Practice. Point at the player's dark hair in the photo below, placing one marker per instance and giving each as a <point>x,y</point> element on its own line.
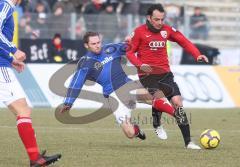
<point>158,7</point>
<point>89,34</point>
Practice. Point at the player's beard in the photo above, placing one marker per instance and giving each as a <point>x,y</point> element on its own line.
<point>152,28</point>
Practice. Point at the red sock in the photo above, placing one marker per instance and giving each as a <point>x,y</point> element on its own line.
<point>136,129</point>
<point>26,133</point>
<point>164,106</point>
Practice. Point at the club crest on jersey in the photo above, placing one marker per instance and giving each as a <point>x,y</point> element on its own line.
<point>164,34</point>
<point>174,29</point>
<point>132,34</point>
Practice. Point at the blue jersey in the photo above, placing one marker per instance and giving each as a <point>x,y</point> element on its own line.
<point>6,33</point>
<point>104,68</point>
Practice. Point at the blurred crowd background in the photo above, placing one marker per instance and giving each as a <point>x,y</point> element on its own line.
<point>213,23</point>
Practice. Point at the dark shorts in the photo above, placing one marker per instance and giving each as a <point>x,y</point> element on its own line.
<point>164,82</point>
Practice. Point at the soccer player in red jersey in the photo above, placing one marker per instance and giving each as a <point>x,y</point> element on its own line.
<point>148,53</point>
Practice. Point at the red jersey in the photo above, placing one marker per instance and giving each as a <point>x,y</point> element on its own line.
<point>150,48</point>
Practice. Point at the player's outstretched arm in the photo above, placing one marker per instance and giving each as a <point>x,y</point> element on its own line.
<point>74,88</point>
<point>187,45</point>
<point>65,108</point>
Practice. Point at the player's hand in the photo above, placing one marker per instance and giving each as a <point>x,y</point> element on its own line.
<point>202,58</point>
<point>18,65</point>
<point>19,55</point>
<point>146,68</point>
<point>65,108</point>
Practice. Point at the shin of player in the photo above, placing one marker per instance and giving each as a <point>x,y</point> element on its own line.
<point>181,118</point>
<point>124,111</point>
<point>132,130</point>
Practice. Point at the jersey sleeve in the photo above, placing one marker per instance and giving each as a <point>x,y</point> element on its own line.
<point>176,36</point>
<point>5,44</point>
<point>6,56</point>
<point>75,86</point>
<point>133,48</point>
<point>116,49</point>
<point>121,48</point>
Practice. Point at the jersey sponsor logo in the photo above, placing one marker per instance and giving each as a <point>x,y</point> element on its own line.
<point>98,65</point>
<point>164,34</point>
<point>154,45</point>
<point>147,36</point>
<point>106,60</point>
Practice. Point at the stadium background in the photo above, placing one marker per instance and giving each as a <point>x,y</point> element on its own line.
<point>211,92</point>
<point>216,85</point>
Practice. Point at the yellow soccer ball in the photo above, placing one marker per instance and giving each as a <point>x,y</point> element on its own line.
<point>210,139</point>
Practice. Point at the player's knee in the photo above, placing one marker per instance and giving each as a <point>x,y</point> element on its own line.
<point>25,112</point>
<point>20,108</point>
<point>177,102</point>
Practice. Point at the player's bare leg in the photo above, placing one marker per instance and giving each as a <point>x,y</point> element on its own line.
<point>20,108</point>
<point>132,130</point>
<point>24,125</point>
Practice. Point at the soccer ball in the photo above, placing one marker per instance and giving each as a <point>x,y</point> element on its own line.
<point>210,139</point>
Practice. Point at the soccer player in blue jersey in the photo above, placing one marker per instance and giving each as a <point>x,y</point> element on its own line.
<point>11,93</point>
<point>102,64</point>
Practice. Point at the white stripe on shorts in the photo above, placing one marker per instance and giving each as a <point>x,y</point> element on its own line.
<point>5,74</point>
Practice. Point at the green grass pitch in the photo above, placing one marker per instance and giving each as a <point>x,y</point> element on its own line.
<point>102,143</point>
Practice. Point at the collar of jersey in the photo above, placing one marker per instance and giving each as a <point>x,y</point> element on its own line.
<point>91,54</point>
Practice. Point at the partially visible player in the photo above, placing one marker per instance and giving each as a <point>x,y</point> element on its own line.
<point>102,64</point>
<point>149,54</point>
<point>11,93</point>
